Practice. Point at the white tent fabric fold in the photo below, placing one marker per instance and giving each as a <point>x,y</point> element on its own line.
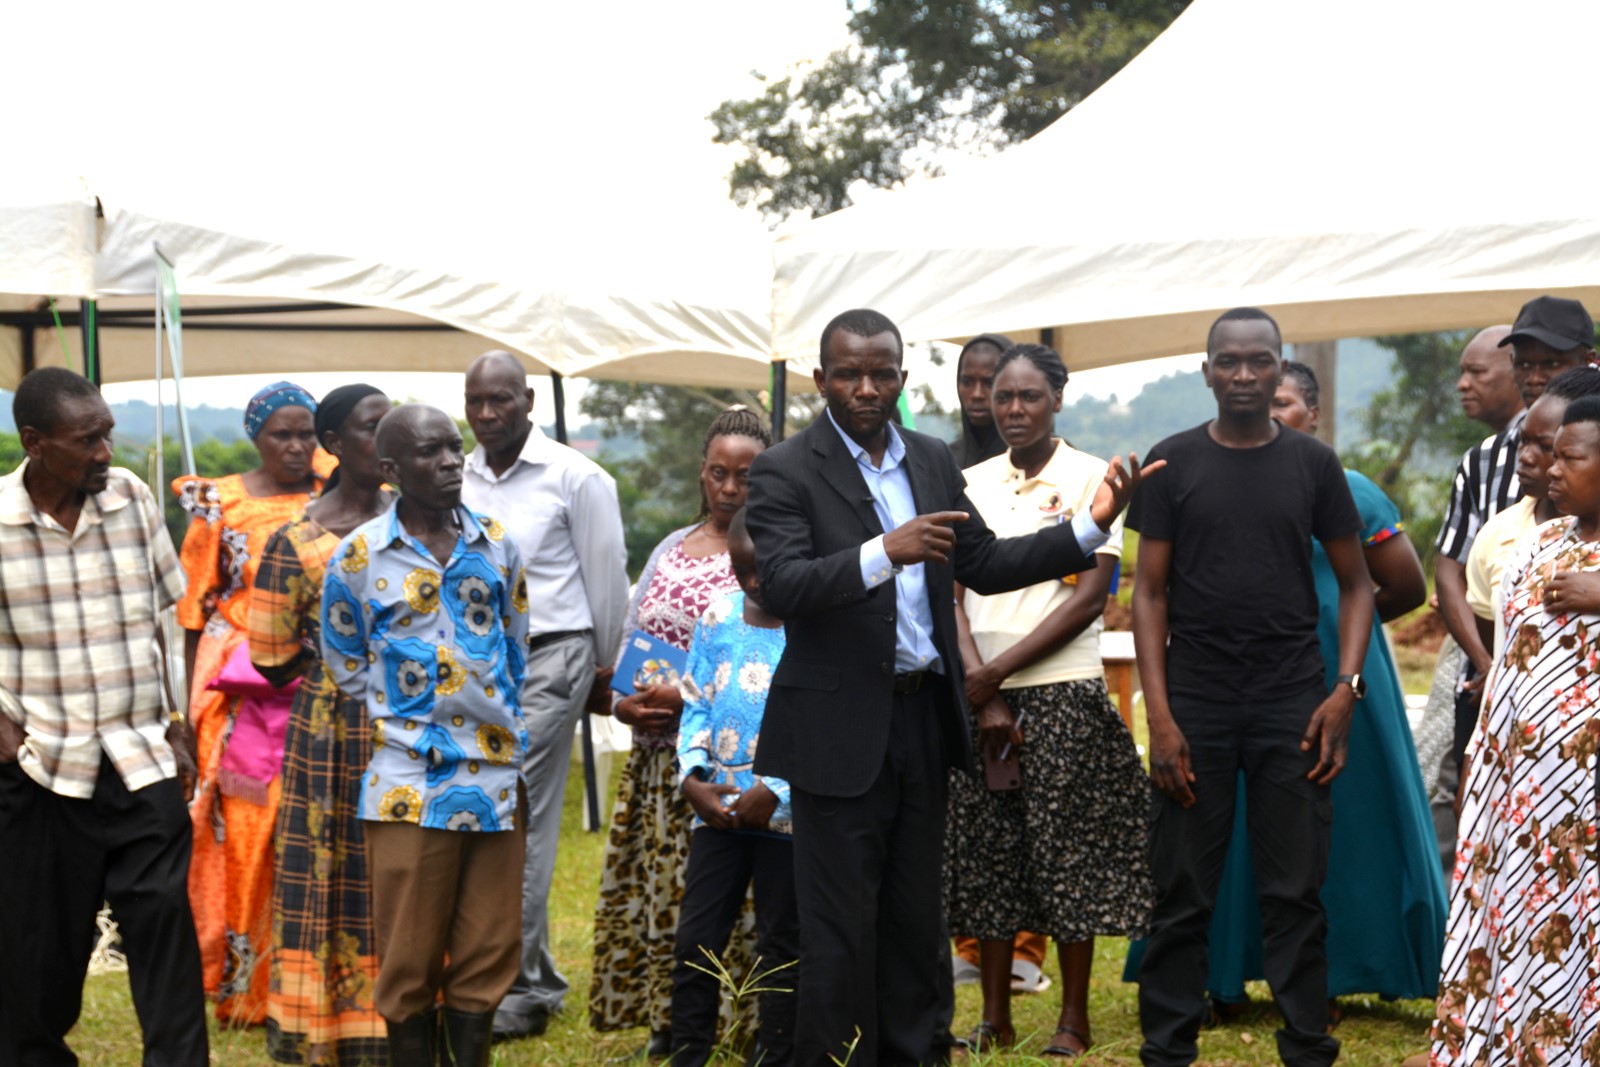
<point>47,245</point>
<point>484,192</point>
<point>1358,168</point>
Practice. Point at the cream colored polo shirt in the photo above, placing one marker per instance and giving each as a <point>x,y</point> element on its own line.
<point>1492,550</point>
<point>1013,506</point>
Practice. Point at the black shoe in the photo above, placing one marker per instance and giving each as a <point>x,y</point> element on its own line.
<point>412,1042</point>
<point>465,1037</point>
<point>534,1024</point>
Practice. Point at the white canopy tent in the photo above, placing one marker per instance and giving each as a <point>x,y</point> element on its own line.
<point>338,200</point>
<point>47,245</point>
<point>1358,168</point>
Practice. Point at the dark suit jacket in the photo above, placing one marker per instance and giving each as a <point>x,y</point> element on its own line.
<point>826,725</point>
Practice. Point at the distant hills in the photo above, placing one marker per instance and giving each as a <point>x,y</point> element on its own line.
<point>1106,427</point>
<point>1114,426</point>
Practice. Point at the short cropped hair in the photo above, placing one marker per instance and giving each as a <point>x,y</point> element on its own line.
<point>1243,315</point>
<point>863,322</point>
<point>1306,379</point>
<point>37,402</point>
<point>1583,409</point>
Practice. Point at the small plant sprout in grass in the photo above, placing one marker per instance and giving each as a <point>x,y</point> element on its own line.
<point>733,1041</point>
<point>849,1051</point>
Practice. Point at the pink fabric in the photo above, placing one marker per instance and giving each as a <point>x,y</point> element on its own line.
<point>679,593</point>
<point>240,677</point>
<point>254,751</point>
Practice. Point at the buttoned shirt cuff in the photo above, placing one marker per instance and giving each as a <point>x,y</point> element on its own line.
<point>1087,531</point>
<point>875,566</point>
<point>779,787</point>
<point>687,765</point>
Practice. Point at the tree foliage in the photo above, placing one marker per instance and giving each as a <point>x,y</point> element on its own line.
<point>1414,430</point>
<point>967,74</point>
<point>659,490</point>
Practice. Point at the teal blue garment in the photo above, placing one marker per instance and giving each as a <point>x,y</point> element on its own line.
<point>1385,893</point>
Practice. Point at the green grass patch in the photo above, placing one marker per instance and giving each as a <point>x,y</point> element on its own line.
<point>1373,1032</point>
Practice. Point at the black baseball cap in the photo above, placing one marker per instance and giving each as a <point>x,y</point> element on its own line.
<point>1556,322</point>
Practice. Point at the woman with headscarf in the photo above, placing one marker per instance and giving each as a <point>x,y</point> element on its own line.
<point>238,718</point>
<point>980,439</point>
<point>324,959</point>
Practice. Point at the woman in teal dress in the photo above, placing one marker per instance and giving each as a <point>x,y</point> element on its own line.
<point>1385,892</point>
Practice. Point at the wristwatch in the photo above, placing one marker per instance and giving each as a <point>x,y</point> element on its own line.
<point>1357,684</point>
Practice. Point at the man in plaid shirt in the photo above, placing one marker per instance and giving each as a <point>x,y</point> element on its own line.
<point>93,775</point>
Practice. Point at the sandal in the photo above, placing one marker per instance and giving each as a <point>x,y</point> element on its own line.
<point>1055,1048</point>
<point>986,1037</point>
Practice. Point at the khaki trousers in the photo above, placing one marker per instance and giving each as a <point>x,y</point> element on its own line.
<point>447,912</point>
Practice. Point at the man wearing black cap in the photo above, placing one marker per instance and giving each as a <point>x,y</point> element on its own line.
<point>1551,334</point>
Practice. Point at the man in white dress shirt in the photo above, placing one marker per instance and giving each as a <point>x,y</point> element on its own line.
<point>561,510</point>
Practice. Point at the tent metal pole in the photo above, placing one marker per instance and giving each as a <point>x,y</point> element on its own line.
<point>30,357</point>
<point>558,396</point>
<point>591,777</point>
<point>89,325</point>
<point>780,397</point>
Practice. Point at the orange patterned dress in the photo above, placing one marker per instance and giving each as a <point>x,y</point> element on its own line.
<point>230,875</point>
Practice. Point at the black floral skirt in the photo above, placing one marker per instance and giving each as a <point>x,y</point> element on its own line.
<point>1068,853</point>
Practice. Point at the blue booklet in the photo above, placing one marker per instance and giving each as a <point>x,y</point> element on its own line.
<point>646,661</point>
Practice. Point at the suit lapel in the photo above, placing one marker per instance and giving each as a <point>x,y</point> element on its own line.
<point>838,469</point>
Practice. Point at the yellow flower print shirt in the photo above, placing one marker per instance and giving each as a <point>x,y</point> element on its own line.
<point>436,653</point>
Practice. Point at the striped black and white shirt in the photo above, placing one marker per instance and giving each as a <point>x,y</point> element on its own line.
<point>1485,485</point>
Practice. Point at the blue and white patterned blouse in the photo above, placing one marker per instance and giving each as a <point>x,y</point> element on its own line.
<point>725,683</point>
<point>438,661</point>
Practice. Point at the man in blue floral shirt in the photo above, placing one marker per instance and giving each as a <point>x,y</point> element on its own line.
<point>425,619</point>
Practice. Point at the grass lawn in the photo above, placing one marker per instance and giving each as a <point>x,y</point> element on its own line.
<point>1372,1033</point>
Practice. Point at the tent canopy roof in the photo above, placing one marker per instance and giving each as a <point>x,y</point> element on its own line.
<point>1354,168</point>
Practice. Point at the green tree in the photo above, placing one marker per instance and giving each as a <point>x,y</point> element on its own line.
<point>1415,431</point>
<point>966,74</point>
<point>660,490</point>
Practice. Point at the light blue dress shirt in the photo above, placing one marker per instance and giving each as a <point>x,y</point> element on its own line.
<point>890,486</point>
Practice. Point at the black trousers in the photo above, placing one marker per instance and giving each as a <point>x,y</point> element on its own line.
<point>60,858</point>
<point>1289,820</point>
<point>868,877</point>
<point>722,865</point>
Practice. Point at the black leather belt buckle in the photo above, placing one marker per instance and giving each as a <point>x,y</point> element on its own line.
<point>909,682</point>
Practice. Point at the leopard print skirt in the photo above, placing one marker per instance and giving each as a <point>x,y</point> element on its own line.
<point>641,888</point>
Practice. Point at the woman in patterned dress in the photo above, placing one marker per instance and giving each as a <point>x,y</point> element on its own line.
<point>1521,977</point>
<point>324,961</point>
<point>641,883</point>
<point>230,874</point>
<point>1066,853</point>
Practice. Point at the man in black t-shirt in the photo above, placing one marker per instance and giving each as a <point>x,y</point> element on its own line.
<point>1225,629</point>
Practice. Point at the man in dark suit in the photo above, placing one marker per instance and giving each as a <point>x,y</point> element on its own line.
<point>861,530</point>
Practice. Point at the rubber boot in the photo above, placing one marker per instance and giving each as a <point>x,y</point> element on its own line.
<point>412,1043</point>
<point>466,1038</point>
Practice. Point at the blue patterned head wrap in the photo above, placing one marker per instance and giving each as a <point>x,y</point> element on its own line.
<point>270,399</point>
